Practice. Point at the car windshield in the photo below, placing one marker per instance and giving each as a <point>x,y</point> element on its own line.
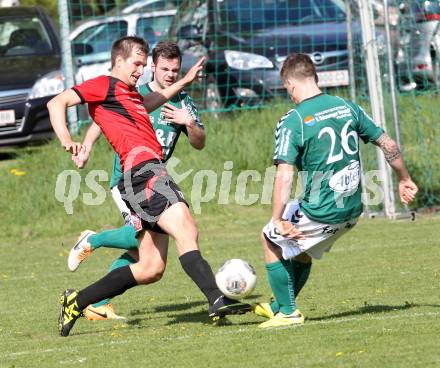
<point>153,28</point>
<point>243,16</point>
<point>101,36</point>
<point>23,37</point>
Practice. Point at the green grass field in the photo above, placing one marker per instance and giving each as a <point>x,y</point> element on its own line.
<point>373,301</point>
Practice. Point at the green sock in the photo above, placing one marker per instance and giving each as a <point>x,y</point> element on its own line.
<point>281,280</point>
<point>275,306</point>
<point>121,238</point>
<point>301,272</point>
<point>122,261</point>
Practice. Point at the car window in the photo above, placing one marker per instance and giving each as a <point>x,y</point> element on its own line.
<point>253,15</point>
<point>23,36</point>
<point>101,36</point>
<point>153,28</point>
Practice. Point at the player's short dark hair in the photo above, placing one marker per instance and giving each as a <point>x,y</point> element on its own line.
<point>124,46</point>
<point>298,66</point>
<point>168,50</point>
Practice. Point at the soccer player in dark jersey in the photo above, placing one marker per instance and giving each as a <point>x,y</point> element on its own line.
<point>320,136</point>
<point>121,113</point>
<point>178,115</point>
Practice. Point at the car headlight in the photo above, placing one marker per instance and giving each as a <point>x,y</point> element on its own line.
<point>48,85</point>
<point>246,61</point>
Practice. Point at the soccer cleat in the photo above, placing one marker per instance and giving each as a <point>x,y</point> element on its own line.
<point>69,311</point>
<point>281,319</point>
<point>81,250</point>
<point>263,310</point>
<point>101,313</point>
<point>224,306</point>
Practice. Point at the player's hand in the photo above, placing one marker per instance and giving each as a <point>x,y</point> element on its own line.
<point>194,72</point>
<point>72,147</point>
<point>287,229</point>
<point>82,157</point>
<point>407,191</point>
<point>177,116</point>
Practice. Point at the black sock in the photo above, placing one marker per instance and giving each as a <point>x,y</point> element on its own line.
<point>201,273</point>
<point>114,283</point>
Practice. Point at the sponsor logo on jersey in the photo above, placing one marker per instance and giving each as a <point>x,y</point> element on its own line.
<point>309,120</point>
<point>346,180</point>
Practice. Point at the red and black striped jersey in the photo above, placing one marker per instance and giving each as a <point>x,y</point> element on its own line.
<point>120,113</point>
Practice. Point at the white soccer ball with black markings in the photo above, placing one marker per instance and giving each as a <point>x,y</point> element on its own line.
<point>236,278</point>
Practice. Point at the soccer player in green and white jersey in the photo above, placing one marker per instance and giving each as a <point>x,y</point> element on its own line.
<point>177,116</point>
<point>320,137</point>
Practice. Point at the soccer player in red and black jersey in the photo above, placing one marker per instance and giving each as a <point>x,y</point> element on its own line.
<point>121,113</point>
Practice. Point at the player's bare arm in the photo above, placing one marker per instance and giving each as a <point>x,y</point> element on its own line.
<point>407,188</point>
<point>157,98</point>
<point>196,133</point>
<point>281,195</point>
<point>57,107</point>
<point>92,135</point>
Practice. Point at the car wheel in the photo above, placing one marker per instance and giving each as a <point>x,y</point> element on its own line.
<point>213,97</point>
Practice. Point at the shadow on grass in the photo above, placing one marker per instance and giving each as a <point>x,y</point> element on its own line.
<point>371,309</point>
<point>14,152</point>
<point>166,308</point>
<point>198,316</point>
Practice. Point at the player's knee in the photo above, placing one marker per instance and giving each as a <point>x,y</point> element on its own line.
<point>150,277</point>
<point>151,274</point>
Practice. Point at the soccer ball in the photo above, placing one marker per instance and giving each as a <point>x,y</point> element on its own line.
<point>236,278</point>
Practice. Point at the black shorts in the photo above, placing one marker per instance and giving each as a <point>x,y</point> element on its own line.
<point>148,190</point>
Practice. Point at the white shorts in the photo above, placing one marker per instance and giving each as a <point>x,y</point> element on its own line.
<point>319,237</point>
<point>130,218</point>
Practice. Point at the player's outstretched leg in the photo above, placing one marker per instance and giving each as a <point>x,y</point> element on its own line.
<point>80,251</point>
<point>103,310</point>
<point>179,224</point>
<point>73,302</point>
<point>282,281</point>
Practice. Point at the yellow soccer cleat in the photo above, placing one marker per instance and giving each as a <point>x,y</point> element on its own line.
<point>69,312</point>
<point>280,319</point>
<point>101,313</point>
<point>263,310</point>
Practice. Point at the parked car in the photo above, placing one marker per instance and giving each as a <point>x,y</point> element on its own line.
<point>30,75</point>
<point>92,40</point>
<point>247,41</point>
<point>418,60</point>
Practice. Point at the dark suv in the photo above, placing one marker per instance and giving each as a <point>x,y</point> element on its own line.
<point>246,42</point>
<point>30,61</point>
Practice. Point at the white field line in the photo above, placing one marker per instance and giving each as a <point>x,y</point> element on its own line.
<point>71,348</point>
